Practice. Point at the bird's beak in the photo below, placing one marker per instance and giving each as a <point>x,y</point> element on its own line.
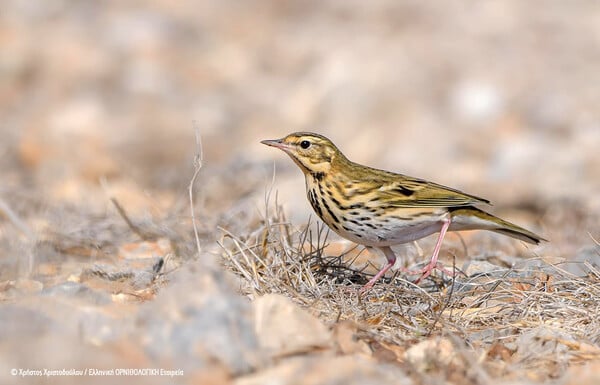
<point>277,143</point>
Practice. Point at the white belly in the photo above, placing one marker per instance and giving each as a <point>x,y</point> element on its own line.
<point>395,233</point>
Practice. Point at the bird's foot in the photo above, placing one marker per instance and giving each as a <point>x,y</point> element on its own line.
<point>427,270</point>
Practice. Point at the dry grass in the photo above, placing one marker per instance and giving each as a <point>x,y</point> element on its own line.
<point>534,320</point>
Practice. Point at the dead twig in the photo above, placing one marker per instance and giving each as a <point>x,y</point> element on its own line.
<point>446,303</point>
<point>121,210</point>
<point>135,228</point>
<point>198,159</point>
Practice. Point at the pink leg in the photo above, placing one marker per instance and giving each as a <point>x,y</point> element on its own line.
<point>433,263</point>
<point>391,259</point>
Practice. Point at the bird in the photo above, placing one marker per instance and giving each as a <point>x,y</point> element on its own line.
<point>378,209</point>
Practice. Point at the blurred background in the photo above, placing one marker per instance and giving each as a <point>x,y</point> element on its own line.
<point>97,99</point>
<point>496,98</point>
<point>499,99</point>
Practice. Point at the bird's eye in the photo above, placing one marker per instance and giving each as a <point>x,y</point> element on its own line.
<point>305,144</point>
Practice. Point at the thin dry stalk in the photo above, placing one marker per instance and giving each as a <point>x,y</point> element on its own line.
<point>499,306</point>
<point>198,159</point>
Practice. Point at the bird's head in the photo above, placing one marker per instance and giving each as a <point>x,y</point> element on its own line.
<point>313,153</point>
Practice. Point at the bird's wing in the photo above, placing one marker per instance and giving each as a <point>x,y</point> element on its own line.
<point>404,191</point>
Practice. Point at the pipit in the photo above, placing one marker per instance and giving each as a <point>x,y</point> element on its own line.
<point>378,208</point>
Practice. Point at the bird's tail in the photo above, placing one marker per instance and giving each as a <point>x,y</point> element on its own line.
<point>472,218</point>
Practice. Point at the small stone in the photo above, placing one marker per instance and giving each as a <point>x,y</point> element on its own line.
<point>283,328</point>
<point>472,268</point>
<point>29,285</point>
<point>145,249</point>
<point>79,291</point>
<point>344,335</point>
<point>200,323</point>
<point>431,354</point>
<point>20,287</point>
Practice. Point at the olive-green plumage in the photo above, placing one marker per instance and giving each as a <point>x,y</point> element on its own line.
<point>378,208</point>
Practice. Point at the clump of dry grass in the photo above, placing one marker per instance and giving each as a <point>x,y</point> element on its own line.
<point>509,314</point>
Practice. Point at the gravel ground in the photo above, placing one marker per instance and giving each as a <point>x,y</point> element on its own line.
<point>101,269</point>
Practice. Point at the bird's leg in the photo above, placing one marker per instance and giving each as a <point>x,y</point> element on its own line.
<point>391,259</point>
<point>426,271</point>
<point>433,263</point>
